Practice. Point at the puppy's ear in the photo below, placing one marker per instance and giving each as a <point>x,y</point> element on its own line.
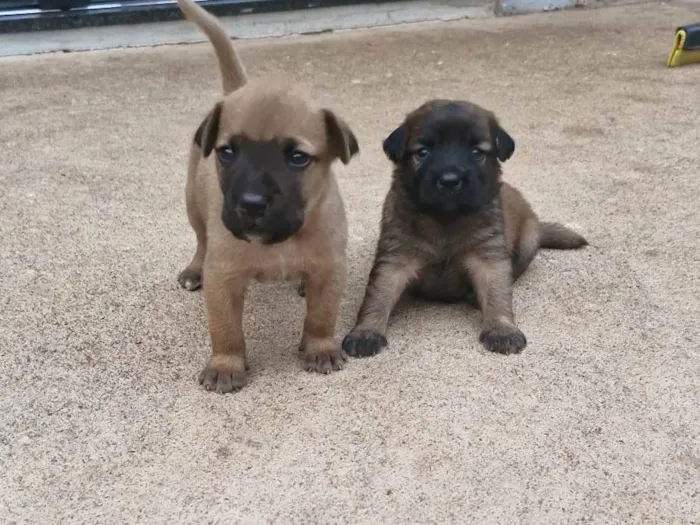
<point>208,131</point>
<point>341,140</point>
<point>395,144</point>
<point>504,143</point>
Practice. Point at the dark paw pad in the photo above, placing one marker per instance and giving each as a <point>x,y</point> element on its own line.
<point>363,343</point>
<point>190,279</point>
<point>503,340</point>
<point>224,381</point>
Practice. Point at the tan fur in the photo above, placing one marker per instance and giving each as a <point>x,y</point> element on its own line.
<point>525,234</point>
<point>475,257</point>
<point>410,247</point>
<point>225,264</point>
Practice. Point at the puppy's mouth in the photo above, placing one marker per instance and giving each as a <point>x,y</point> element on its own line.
<point>253,232</point>
<point>250,229</point>
<point>265,229</point>
<point>448,195</point>
<point>252,224</point>
<point>448,205</point>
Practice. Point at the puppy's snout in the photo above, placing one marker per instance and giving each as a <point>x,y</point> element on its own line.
<point>449,181</point>
<point>253,204</point>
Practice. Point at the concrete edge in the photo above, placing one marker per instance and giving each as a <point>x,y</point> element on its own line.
<point>282,24</point>
<point>253,26</point>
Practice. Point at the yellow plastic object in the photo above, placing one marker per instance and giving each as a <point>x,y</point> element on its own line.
<point>686,46</point>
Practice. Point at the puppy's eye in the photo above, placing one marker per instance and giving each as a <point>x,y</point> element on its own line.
<point>479,155</point>
<point>421,153</point>
<point>226,154</point>
<point>298,159</point>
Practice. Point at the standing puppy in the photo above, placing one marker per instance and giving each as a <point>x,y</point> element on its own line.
<point>451,231</point>
<point>264,205</point>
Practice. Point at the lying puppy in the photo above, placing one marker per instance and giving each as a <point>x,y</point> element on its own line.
<point>264,205</point>
<point>450,229</point>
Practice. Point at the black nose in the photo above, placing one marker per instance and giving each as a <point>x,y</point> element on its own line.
<point>449,181</point>
<point>253,204</point>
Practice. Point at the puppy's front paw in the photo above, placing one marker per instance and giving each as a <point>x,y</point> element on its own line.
<point>503,339</point>
<point>223,379</point>
<point>363,343</point>
<point>322,356</point>
<point>190,279</point>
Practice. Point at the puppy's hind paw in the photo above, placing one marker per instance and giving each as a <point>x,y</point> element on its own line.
<point>363,343</point>
<point>190,279</point>
<point>503,340</point>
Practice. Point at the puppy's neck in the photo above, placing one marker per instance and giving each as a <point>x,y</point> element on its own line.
<point>320,195</point>
<point>323,202</point>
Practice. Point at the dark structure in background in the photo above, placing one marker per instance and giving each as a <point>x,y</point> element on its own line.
<point>37,15</point>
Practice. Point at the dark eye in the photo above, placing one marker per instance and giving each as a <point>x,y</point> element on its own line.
<point>421,153</point>
<point>298,159</point>
<point>478,154</point>
<point>226,154</point>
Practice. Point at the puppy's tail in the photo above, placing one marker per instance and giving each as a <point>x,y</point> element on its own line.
<point>558,237</point>
<point>233,73</point>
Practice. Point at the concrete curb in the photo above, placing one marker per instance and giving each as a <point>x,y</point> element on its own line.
<point>531,6</point>
<point>279,24</point>
<point>259,25</point>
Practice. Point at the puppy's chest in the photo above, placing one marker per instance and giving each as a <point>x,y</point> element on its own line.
<point>278,266</point>
<point>444,276</point>
<point>448,244</point>
<point>443,248</point>
<point>446,262</point>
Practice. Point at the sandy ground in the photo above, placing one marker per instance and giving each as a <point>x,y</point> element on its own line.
<point>102,419</point>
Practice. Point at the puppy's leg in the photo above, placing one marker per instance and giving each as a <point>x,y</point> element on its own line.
<point>527,248</point>
<point>301,288</point>
<point>191,277</point>
<point>492,282</point>
<point>319,349</point>
<point>471,297</point>
<point>387,283</point>
<point>223,298</point>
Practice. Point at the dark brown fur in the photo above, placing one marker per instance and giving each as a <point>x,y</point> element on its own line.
<point>264,205</point>
<point>471,250</point>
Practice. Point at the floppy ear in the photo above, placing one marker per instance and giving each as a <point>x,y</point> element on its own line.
<point>208,130</point>
<point>395,144</point>
<point>341,139</point>
<point>504,143</point>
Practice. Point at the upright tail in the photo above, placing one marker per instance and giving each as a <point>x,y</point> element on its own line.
<point>233,73</point>
<point>558,237</point>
